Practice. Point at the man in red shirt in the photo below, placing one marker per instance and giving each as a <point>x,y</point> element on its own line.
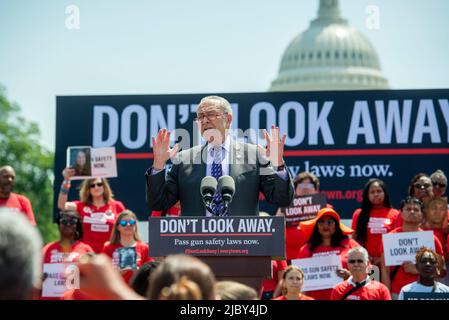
<point>13,200</point>
<point>359,286</point>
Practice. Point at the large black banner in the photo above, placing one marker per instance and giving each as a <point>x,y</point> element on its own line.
<point>345,138</point>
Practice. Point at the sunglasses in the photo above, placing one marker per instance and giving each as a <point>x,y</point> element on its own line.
<point>129,222</point>
<point>439,184</point>
<point>422,186</point>
<point>329,222</point>
<point>98,184</point>
<point>69,222</point>
<point>353,261</point>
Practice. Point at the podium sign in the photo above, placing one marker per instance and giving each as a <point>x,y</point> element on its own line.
<point>217,236</point>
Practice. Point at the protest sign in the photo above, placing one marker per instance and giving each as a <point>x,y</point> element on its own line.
<point>320,272</point>
<point>92,162</point>
<point>303,208</point>
<point>403,246</point>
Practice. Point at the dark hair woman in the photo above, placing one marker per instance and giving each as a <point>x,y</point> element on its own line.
<point>67,249</point>
<point>374,218</point>
<point>327,236</point>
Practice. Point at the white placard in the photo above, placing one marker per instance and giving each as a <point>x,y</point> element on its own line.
<point>54,284</point>
<point>401,247</point>
<point>320,272</point>
<point>92,162</point>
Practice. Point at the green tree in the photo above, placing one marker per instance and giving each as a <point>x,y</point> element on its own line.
<point>20,147</point>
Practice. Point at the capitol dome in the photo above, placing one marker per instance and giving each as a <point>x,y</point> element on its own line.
<point>329,55</point>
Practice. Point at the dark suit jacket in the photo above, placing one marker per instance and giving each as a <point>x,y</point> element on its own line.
<point>251,174</point>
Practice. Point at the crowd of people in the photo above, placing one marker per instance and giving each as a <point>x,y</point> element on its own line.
<point>99,235</point>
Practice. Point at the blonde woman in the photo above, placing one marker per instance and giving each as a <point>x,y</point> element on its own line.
<point>127,250</point>
<point>96,206</point>
<point>292,283</point>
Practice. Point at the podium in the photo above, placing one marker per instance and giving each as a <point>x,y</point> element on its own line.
<point>235,248</point>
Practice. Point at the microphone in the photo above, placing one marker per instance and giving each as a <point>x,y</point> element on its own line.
<point>208,188</point>
<point>226,186</point>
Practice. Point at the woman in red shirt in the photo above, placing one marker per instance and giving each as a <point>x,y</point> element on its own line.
<point>125,235</point>
<point>374,218</point>
<point>68,248</point>
<point>327,236</point>
<point>292,283</point>
<point>97,208</point>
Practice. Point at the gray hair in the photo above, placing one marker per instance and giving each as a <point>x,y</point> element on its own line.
<point>361,250</point>
<point>439,174</point>
<point>223,103</point>
<point>20,256</point>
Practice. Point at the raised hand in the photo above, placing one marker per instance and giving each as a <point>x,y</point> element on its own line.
<point>161,149</point>
<point>68,172</point>
<point>275,146</point>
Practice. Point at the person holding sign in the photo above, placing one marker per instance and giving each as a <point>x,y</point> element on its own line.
<point>252,168</point>
<point>68,249</point>
<point>428,264</point>
<point>97,208</point>
<point>327,235</point>
<point>374,218</point>
<point>292,282</point>
<point>307,185</point>
<point>125,235</point>
<point>359,286</point>
<point>396,277</point>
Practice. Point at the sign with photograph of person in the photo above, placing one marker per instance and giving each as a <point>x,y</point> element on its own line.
<point>91,162</point>
<point>320,272</point>
<point>303,208</point>
<point>127,258</point>
<point>403,246</point>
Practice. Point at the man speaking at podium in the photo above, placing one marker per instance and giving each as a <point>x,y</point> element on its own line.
<point>252,168</point>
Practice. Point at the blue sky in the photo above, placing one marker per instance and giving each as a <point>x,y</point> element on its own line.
<point>195,46</point>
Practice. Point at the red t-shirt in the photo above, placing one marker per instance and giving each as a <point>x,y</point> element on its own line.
<point>403,278</point>
<point>380,222</point>
<point>20,203</point>
<point>98,222</point>
<point>341,251</point>
<point>142,252</point>
<point>53,253</point>
<point>373,290</point>
<point>294,240</point>
<point>301,297</point>
<point>276,266</point>
<point>439,233</point>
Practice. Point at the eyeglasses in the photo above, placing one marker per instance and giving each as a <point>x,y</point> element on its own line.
<point>353,261</point>
<point>68,221</point>
<point>209,116</point>
<point>129,222</point>
<point>329,222</point>
<point>98,184</point>
<point>439,184</point>
<point>422,186</point>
